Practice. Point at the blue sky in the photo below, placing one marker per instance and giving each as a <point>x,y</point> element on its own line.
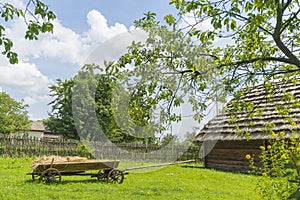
<point>73,12</point>
<point>81,26</point>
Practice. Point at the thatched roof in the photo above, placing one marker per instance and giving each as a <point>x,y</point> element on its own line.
<point>37,126</point>
<point>264,117</point>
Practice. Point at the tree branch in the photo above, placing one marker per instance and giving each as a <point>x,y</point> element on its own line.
<point>243,62</point>
<point>286,5</point>
<point>287,22</point>
<point>247,19</point>
<point>276,36</point>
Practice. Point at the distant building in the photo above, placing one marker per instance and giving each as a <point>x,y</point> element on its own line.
<point>39,130</point>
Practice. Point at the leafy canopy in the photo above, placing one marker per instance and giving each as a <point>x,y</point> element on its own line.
<point>84,107</point>
<point>166,70</point>
<point>13,115</point>
<point>264,37</point>
<point>37,17</point>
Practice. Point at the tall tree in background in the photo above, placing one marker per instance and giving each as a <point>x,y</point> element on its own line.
<point>13,115</point>
<point>61,117</point>
<point>37,17</point>
<point>79,88</point>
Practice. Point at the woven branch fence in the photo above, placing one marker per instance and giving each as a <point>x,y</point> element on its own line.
<point>17,146</point>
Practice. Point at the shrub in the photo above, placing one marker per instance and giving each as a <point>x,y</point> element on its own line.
<point>280,160</point>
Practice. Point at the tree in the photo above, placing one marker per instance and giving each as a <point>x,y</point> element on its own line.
<point>86,101</point>
<point>264,37</point>
<point>166,71</point>
<point>61,117</point>
<point>13,115</point>
<point>37,17</point>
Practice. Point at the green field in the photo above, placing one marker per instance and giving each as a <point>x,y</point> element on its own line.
<point>185,181</point>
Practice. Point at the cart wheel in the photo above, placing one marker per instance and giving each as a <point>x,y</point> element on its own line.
<point>50,175</point>
<point>101,175</point>
<point>115,176</point>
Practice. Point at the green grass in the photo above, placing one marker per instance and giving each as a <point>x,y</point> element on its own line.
<point>172,182</point>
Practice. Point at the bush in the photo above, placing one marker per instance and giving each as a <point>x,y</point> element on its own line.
<point>280,160</point>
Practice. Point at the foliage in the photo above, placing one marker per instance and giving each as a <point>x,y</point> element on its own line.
<point>37,17</point>
<point>280,167</point>
<point>191,181</point>
<point>165,71</point>
<point>262,37</point>
<point>183,62</point>
<point>13,115</point>
<point>61,117</point>
<point>78,99</point>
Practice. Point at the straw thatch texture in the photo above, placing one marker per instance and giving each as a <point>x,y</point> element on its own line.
<point>265,116</point>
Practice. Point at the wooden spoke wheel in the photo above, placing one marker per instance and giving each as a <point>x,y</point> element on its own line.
<point>101,175</point>
<point>115,176</point>
<point>50,175</point>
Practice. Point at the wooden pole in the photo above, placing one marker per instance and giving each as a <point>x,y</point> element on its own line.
<point>157,165</point>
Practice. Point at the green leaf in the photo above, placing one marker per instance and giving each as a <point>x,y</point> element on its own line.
<point>170,19</point>
<point>295,195</point>
<point>233,25</point>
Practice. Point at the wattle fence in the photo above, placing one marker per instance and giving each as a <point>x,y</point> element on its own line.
<point>17,146</point>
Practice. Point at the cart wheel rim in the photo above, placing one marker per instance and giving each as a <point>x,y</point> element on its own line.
<point>101,175</point>
<point>115,176</point>
<point>50,176</point>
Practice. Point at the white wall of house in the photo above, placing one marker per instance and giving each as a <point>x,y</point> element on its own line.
<point>36,134</point>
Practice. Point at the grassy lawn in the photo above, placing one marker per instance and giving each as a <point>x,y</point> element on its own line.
<point>185,181</point>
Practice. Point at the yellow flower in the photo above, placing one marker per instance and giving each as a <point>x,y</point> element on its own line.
<point>274,134</point>
<point>262,148</point>
<point>282,133</point>
<point>283,156</point>
<point>247,156</point>
<point>264,174</point>
<point>269,147</point>
<point>293,124</point>
<point>298,149</point>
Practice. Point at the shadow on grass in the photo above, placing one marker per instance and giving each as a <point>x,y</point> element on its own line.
<point>70,181</point>
<point>193,166</point>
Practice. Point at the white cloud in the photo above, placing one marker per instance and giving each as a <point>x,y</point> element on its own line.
<point>99,30</point>
<point>24,78</point>
<point>64,43</point>
<point>34,99</point>
<point>38,106</point>
<point>114,47</point>
<point>17,3</point>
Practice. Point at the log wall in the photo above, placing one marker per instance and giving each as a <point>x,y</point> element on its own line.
<point>230,155</point>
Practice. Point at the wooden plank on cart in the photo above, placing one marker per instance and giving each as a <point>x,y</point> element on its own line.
<point>79,166</point>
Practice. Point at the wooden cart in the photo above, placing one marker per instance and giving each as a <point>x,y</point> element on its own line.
<point>52,173</point>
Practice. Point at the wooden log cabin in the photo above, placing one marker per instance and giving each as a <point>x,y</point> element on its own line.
<point>227,139</point>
